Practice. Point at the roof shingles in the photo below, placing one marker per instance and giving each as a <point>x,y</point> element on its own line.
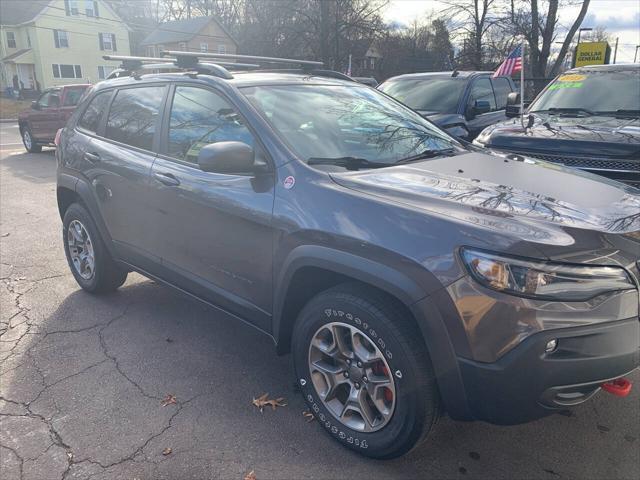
<point>16,12</point>
<point>179,31</point>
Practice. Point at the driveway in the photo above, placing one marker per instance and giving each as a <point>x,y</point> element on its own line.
<point>83,379</point>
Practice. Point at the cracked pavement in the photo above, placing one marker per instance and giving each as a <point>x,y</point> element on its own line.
<point>82,379</point>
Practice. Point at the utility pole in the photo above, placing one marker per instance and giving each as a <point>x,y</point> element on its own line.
<point>615,51</point>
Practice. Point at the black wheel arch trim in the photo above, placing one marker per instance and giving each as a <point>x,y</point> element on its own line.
<point>430,306</point>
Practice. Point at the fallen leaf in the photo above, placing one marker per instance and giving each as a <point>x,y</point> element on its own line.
<point>250,476</point>
<point>263,400</point>
<point>168,400</point>
<point>70,455</point>
<point>309,416</point>
<point>167,451</point>
<point>5,235</point>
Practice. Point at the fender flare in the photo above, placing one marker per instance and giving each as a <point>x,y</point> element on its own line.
<point>431,308</point>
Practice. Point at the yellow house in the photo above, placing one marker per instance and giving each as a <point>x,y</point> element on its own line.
<point>44,43</point>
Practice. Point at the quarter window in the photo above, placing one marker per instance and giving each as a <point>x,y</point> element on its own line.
<point>90,119</point>
<point>134,115</point>
<point>200,117</point>
<point>11,40</point>
<point>481,90</point>
<point>502,89</point>
<point>61,39</point>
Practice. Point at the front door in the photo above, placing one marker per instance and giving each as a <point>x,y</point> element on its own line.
<point>44,120</point>
<point>213,231</point>
<point>122,155</point>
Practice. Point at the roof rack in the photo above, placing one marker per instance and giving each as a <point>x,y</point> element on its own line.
<point>132,64</point>
<point>248,58</point>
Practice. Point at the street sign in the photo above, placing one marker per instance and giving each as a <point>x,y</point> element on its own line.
<point>591,53</point>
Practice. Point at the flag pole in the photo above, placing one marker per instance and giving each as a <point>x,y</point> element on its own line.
<point>522,87</point>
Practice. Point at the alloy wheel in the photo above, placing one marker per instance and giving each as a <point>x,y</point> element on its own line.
<point>26,136</point>
<point>81,249</point>
<point>352,377</point>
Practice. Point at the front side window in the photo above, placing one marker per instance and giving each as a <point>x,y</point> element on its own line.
<point>200,117</point>
<point>592,91</point>
<point>11,40</point>
<point>61,38</point>
<point>49,99</point>
<point>427,94</point>
<point>90,119</point>
<point>337,121</point>
<point>481,90</point>
<point>133,116</point>
<point>502,89</point>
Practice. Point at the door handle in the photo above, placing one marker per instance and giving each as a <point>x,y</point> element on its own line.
<point>166,179</point>
<point>92,157</point>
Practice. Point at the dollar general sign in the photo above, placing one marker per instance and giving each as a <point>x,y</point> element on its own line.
<point>592,53</point>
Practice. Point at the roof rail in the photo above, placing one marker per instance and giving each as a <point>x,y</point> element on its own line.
<point>248,58</point>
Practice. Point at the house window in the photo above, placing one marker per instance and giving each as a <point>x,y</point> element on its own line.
<point>71,7</point>
<point>183,46</point>
<point>66,71</point>
<point>91,8</point>
<point>372,63</point>
<point>104,72</point>
<point>222,48</point>
<point>11,40</point>
<point>204,47</point>
<point>61,39</point>
<point>107,41</point>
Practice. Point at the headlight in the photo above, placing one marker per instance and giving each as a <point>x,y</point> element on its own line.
<point>544,280</point>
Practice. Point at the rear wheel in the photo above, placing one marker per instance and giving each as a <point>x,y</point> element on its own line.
<point>89,260</point>
<point>364,371</point>
<point>29,143</point>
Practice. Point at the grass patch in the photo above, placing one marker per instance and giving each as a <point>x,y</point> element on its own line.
<point>9,108</point>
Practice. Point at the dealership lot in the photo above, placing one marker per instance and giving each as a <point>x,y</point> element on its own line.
<point>83,379</point>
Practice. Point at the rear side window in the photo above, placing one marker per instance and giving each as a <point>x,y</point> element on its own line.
<point>72,96</point>
<point>502,88</point>
<point>91,117</point>
<point>133,116</point>
<point>199,117</point>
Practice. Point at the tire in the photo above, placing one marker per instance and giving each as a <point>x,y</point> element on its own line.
<point>105,275</point>
<point>368,317</point>
<point>29,143</point>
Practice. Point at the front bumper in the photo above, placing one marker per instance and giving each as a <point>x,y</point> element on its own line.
<point>528,383</point>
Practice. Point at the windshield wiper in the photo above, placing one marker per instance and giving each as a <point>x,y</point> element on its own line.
<point>426,154</point>
<point>621,113</point>
<point>565,110</point>
<point>350,163</point>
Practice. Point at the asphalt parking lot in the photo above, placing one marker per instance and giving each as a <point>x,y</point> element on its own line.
<point>82,379</point>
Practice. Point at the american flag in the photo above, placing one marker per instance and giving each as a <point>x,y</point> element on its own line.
<point>512,64</point>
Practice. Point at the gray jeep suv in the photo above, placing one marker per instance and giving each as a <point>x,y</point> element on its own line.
<point>408,274</point>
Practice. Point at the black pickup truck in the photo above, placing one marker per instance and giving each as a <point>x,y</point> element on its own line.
<point>587,118</point>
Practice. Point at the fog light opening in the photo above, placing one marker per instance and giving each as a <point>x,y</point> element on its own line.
<point>551,345</point>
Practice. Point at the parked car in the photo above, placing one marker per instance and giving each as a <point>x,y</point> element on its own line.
<point>48,114</point>
<point>462,103</point>
<point>407,272</point>
<point>587,118</point>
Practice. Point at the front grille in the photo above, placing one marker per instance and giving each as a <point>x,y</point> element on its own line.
<point>587,163</point>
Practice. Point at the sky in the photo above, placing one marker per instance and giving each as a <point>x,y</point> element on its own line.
<point>620,17</point>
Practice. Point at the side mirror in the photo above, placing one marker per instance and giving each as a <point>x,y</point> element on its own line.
<point>35,105</point>
<point>481,106</point>
<point>227,157</point>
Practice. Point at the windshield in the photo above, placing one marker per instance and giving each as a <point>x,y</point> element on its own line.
<point>436,94</point>
<point>592,91</point>
<point>335,121</point>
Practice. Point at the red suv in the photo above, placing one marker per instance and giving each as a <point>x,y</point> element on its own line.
<point>39,124</point>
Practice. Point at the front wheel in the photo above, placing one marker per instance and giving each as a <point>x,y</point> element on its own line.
<point>29,143</point>
<point>364,371</point>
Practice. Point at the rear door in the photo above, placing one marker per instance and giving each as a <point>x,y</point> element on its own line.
<point>213,230</point>
<point>122,154</point>
<point>481,90</point>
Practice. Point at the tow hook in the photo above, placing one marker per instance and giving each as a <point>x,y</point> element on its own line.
<point>620,387</point>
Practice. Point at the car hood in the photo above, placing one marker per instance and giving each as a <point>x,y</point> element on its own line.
<point>604,136</point>
<point>532,200</point>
